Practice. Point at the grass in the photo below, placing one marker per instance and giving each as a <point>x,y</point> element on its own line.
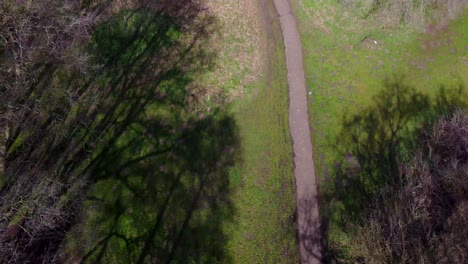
<point>264,197</point>
<point>158,183</point>
<point>263,230</point>
<point>259,186</point>
<point>348,55</point>
<point>238,63</point>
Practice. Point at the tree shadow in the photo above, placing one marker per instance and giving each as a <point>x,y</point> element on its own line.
<point>115,155</point>
<point>310,231</point>
<point>166,204</point>
<point>372,144</point>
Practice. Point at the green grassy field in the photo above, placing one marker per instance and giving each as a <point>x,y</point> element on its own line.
<point>263,230</point>
<point>347,58</point>
<point>349,54</point>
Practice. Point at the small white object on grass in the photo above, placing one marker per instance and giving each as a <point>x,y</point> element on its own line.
<point>310,93</point>
<point>375,42</point>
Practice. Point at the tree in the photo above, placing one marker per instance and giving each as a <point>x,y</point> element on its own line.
<point>91,86</point>
<point>424,220</point>
<point>392,190</point>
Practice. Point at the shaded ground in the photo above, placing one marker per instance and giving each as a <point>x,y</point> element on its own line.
<point>122,172</point>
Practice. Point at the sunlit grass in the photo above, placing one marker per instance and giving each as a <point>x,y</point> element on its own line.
<point>349,55</point>
<point>263,230</point>
<point>347,58</point>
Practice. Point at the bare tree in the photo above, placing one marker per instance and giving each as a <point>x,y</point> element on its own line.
<point>423,221</point>
<point>75,77</point>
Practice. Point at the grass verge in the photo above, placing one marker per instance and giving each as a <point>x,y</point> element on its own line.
<point>264,190</point>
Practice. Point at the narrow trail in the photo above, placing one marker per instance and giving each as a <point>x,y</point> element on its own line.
<point>308,219</point>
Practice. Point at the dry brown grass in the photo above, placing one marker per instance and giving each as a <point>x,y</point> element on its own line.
<point>319,18</point>
<point>237,43</point>
<point>415,13</point>
<point>238,46</point>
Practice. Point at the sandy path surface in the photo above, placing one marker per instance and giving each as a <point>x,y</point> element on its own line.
<point>308,220</point>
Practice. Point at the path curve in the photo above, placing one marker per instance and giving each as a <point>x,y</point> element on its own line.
<point>308,219</point>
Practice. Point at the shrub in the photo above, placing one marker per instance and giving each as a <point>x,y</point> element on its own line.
<point>423,220</point>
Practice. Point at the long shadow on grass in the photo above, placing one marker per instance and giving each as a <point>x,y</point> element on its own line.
<point>114,155</point>
<point>371,145</point>
<point>166,204</point>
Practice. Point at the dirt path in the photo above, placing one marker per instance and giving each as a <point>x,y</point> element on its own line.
<point>307,205</point>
